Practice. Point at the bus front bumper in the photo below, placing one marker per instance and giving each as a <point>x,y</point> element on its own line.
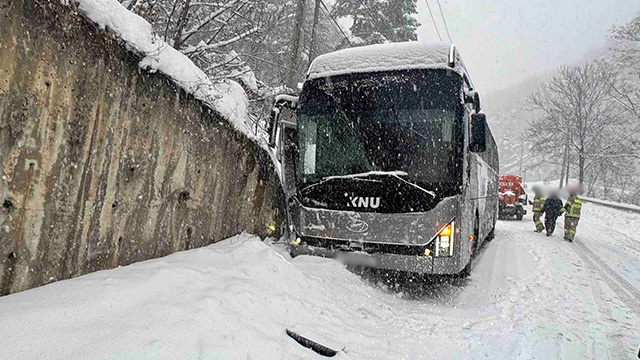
<point>408,263</point>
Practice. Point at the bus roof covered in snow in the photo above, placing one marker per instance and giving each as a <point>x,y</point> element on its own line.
<point>388,57</point>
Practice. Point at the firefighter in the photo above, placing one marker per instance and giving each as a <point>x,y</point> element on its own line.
<point>552,209</point>
<point>571,211</point>
<point>538,205</point>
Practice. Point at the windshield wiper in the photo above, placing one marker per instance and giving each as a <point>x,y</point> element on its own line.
<point>358,177</point>
<point>433,194</point>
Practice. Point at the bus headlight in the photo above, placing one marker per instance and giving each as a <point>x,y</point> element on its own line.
<point>444,240</point>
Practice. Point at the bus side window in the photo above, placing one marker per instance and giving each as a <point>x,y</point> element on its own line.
<point>468,109</point>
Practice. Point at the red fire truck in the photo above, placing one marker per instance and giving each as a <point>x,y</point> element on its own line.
<point>511,197</point>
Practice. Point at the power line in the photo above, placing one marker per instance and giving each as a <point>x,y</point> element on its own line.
<point>433,20</point>
<point>270,63</point>
<point>445,22</point>
<point>328,13</point>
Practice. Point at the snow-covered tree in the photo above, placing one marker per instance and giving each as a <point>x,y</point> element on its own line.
<point>247,41</point>
<point>257,32</point>
<point>379,21</point>
<point>206,31</point>
<point>625,58</point>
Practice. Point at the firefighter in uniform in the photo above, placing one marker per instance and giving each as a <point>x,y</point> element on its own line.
<point>571,211</point>
<point>538,205</point>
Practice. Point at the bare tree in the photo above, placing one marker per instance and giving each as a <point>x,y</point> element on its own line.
<point>625,57</point>
<point>577,116</point>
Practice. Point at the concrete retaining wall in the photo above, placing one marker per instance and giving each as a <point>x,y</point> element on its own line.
<point>102,164</point>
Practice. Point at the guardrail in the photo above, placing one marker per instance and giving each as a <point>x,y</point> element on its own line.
<point>611,204</point>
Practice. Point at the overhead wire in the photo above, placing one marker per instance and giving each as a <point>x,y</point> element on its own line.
<point>328,14</point>
<point>445,22</point>
<point>270,63</point>
<point>433,20</point>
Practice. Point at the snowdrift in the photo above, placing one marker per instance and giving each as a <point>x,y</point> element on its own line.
<point>231,300</point>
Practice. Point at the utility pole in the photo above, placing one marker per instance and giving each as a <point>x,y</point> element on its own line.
<point>566,174</point>
<point>564,165</point>
<point>568,156</point>
<point>521,154</point>
<point>295,44</point>
<point>316,14</point>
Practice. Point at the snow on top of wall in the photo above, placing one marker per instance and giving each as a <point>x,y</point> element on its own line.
<point>612,204</point>
<point>225,97</point>
<point>383,57</point>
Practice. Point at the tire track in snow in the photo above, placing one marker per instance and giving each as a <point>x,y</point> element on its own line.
<point>594,320</point>
<point>629,242</point>
<point>608,324</point>
<point>625,291</point>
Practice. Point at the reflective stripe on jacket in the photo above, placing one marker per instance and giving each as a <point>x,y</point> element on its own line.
<point>573,207</point>
<point>538,203</point>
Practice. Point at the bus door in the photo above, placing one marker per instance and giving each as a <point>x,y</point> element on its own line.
<point>283,137</point>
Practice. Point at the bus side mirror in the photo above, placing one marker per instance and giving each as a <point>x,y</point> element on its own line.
<point>281,102</point>
<point>478,141</point>
<point>472,97</point>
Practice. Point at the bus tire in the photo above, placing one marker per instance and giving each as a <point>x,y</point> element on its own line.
<point>492,233</point>
<point>466,271</point>
<point>476,230</point>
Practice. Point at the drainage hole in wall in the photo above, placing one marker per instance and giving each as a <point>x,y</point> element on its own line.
<point>184,196</point>
<point>7,204</point>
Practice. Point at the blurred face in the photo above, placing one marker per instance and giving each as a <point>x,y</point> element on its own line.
<point>575,190</point>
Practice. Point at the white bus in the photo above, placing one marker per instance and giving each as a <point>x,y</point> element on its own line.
<point>388,161</point>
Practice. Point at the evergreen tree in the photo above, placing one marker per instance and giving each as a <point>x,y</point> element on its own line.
<point>379,21</point>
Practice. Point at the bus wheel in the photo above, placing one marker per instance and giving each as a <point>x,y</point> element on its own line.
<point>466,271</point>
<point>492,233</point>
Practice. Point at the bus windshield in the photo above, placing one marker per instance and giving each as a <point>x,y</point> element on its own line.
<point>405,121</point>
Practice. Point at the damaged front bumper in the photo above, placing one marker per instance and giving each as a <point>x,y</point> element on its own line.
<point>419,264</point>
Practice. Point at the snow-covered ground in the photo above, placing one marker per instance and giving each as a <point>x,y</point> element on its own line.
<point>529,297</point>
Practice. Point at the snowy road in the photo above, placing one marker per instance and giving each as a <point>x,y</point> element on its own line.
<point>529,297</point>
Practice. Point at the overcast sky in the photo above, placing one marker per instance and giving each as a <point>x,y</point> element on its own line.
<point>507,41</point>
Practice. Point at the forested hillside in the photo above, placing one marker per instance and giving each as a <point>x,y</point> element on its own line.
<point>578,122</point>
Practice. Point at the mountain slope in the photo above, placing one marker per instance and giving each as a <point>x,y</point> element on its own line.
<point>508,118</point>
